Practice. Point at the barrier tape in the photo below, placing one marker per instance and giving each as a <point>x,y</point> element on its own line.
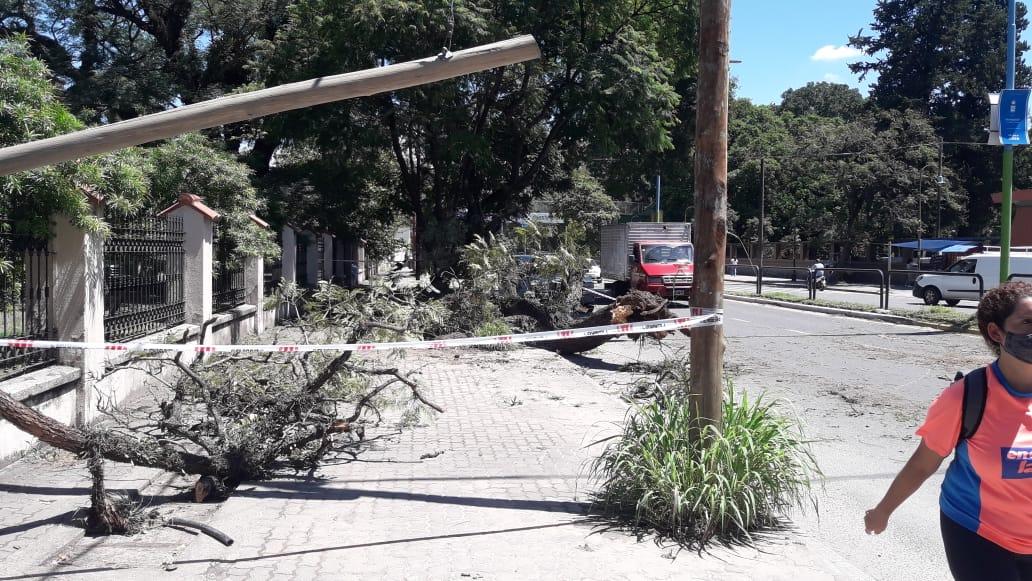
<point>699,318</point>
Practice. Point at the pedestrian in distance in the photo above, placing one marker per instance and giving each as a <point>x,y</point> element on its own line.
<point>819,280</point>
<point>734,267</point>
<point>985,421</point>
<point>912,264</point>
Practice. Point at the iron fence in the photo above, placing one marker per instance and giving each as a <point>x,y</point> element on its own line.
<point>24,302</point>
<point>143,278</point>
<point>227,274</point>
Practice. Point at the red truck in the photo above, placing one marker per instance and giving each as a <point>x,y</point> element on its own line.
<point>652,256</point>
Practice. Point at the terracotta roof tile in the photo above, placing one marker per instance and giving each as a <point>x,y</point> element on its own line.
<point>191,201</point>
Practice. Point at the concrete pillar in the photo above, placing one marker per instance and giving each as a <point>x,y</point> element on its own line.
<point>313,258</point>
<point>288,256</point>
<point>254,288</point>
<point>77,305</point>
<point>363,268</point>
<point>198,234</point>
<point>327,257</point>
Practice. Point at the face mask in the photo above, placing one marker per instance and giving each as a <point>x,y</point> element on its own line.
<point>1020,346</point>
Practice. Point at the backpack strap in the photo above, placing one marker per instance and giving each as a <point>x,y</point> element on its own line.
<point>976,391</point>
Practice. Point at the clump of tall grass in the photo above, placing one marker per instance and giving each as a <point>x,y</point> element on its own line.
<point>690,482</point>
<point>491,329</point>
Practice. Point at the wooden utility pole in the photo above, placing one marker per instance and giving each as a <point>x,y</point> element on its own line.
<point>710,227</point>
<point>234,108</point>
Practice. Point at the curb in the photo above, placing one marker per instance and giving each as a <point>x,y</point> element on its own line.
<point>883,317</point>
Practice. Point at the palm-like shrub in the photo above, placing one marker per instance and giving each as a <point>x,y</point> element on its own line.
<point>691,482</point>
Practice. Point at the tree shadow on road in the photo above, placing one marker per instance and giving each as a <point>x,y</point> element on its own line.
<point>592,363</point>
<point>313,491</point>
<point>65,518</point>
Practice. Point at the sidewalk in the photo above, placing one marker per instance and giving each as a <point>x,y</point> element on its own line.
<point>492,489</point>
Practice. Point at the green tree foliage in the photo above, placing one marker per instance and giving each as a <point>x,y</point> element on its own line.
<point>942,58</point>
<point>130,181</point>
<point>470,153</point>
<point>191,164</point>
<point>585,204</point>
<point>30,109</point>
<point>824,100</point>
<point>124,58</point>
<point>819,188</point>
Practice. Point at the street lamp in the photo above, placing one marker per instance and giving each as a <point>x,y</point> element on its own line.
<point>938,196</point>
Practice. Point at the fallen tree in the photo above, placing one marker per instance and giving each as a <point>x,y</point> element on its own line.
<point>231,418</point>
<point>544,288</point>
<point>635,306</point>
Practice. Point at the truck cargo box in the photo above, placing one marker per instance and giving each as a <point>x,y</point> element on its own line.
<point>618,242</point>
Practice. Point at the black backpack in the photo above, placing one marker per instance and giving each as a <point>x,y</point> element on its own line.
<point>976,391</point>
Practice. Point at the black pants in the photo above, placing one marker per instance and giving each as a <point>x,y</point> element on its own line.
<point>973,558</point>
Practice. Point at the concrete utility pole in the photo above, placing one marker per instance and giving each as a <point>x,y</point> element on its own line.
<point>234,108</point>
<point>938,196</point>
<point>707,354</point>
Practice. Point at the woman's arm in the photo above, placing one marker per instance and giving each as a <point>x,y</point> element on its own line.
<point>921,465</point>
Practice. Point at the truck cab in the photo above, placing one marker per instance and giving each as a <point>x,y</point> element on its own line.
<point>664,268</point>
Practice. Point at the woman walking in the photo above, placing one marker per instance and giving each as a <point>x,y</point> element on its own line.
<point>986,497</point>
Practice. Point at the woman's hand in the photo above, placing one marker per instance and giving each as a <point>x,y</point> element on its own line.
<point>875,521</point>
<point>922,464</point>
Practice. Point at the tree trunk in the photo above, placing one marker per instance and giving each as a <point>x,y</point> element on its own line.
<point>633,307</point>
<point>104,517</point>
<point>110,446</point>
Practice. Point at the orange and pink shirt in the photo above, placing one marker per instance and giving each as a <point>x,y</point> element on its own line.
<point>988,486</point>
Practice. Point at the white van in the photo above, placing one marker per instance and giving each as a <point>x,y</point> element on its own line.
<point>954,288</point>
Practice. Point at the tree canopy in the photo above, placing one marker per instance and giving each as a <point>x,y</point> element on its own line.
<point>610,105</point>
<point>470,154</point>
<point>832,179</point>
<point>129,181</point>
<point>942,58</point>
<point>30,109</point>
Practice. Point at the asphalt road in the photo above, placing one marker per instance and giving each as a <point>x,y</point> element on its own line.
<point>852,293</point>
<point>861,388</point>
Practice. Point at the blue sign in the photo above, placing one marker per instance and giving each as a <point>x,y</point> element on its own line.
<point>1014,116</point>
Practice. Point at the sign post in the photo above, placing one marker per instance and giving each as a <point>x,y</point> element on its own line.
<point>1008,148</point>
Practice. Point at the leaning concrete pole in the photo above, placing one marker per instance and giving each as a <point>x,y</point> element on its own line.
<point>710,229</point>
<point>234,108</point>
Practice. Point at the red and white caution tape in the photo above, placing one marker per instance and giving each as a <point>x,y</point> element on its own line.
<point>698,318</point>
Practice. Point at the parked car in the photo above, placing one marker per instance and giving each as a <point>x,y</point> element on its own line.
<point>933,288</point>
<point>531,280</point>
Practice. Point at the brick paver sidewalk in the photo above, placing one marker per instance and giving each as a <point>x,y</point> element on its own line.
<point>492,489</point>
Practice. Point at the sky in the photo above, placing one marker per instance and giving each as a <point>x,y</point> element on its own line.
<point>784,44</point>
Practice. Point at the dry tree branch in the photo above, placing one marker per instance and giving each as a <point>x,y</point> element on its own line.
<point>362,403</point>
<point>403,378</point>
<point>205,389</point>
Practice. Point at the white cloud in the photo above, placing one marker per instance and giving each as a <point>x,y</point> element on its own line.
<point>830,52</point>
<point>831,77</point>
